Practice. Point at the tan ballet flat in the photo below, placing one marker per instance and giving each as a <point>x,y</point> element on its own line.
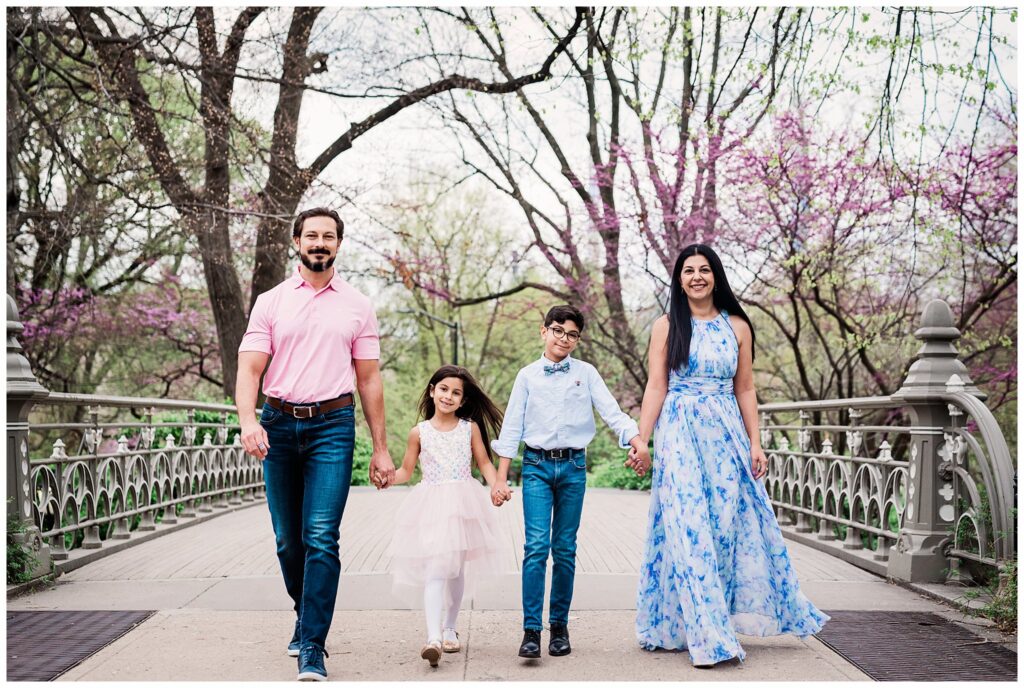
<point>450,645</point>
<point>432,653</point>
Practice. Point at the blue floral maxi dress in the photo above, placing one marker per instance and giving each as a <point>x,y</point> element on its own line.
<point>715,562</point>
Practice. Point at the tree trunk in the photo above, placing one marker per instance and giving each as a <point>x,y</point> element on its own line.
<point>14,138</point>
<point>225,292</point>
<point>273,237</point>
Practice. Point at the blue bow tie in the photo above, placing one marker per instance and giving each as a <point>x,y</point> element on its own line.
<point>562,367</point>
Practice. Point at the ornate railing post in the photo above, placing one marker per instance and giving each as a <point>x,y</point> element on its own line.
<point>23,390</point>
<point>918,555</point>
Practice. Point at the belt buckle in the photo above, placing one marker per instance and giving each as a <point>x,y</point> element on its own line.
<point>307,409</point>
<point>558,453</point>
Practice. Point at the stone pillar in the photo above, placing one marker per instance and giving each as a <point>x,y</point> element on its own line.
<point>927,528</point>
<point>23,391</point>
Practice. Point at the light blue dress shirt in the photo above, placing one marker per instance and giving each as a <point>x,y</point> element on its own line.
<point>557,411</point>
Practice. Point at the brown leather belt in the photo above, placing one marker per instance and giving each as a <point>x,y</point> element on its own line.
<point>312,409</point>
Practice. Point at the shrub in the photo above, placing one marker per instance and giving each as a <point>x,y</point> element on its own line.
<point>21,558</point>
<point>604,463</point>
<point>361,454</point>
<point>614,474</point>
<point>1002,609</point>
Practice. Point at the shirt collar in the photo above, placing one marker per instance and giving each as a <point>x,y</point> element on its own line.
<point>336,283</point>
<point>547,361</point>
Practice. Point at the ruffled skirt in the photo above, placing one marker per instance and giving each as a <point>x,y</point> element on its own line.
<point>442,530</point>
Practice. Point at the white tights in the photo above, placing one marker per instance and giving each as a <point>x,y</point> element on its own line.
<point>434,602</point>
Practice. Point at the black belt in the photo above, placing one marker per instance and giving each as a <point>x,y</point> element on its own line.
<point>555,454</point>
<point>311,409</point>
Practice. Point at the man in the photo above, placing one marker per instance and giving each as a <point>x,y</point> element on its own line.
<point>320,337</point>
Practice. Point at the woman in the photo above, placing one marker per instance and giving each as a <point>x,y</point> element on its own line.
<point>715,561</point>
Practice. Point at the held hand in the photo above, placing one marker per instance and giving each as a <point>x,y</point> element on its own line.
<point>758,463</point>
<point>382,469</point>
<point>641,461</point>
<point>254,439</point>
<point>500,493</point>
<point>630,462</point>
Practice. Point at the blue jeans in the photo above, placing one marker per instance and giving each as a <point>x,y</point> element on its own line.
<point>552,503</point>
<point>307,472</point>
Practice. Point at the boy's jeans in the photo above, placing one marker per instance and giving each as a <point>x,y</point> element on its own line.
<point>307,472</point>
<point>552,503</point>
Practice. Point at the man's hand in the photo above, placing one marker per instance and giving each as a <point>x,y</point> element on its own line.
<point>382,469</point>
<point>253,436</point>
<point>254,439</point>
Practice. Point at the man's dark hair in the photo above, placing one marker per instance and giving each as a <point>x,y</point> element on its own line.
<point>559,314</point>
<point>317,212</point>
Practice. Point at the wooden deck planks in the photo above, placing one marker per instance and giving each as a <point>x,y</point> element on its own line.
<point>241,543</point>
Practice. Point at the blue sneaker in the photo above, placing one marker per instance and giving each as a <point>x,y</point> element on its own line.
<point>311,664</point>
<point>295,643</point>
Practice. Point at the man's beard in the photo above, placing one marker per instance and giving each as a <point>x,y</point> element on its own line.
<point>317,267</point>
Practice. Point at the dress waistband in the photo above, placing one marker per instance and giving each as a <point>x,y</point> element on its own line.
<point>701,386</point>
<point>446,481</point>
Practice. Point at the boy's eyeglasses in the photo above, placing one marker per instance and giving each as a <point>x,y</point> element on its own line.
<point>571,335</point>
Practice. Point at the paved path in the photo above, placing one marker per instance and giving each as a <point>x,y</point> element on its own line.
<point>222,612</point>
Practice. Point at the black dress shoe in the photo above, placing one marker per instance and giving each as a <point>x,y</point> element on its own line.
<point>558,645</point>
<point>530,649</point>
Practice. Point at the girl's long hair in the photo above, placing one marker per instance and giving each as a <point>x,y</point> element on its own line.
<point>476,406</point>
<point>680,329</point>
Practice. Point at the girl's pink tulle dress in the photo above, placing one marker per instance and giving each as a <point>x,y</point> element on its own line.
<point>446,525</point>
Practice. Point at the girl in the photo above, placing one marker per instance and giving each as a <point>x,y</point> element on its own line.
<point>715,563</point>
<point>445,531</point>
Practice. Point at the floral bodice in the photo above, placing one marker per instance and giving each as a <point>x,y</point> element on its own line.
<point>446,456</point>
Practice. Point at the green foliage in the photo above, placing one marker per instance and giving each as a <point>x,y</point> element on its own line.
<point>1001,595</point>
<point>361,454</point>
<point>176,421</point>
<point>967,534</point>
<point>612,474</point>
<point>21,559</point>
<point>1002,609</point>
<point>893,521</point>
<point>604,463</point>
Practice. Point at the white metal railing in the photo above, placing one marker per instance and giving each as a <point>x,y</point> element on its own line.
<point>103,467</point>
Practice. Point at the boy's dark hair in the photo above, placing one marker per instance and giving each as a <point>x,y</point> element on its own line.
<point>559,314</point>
<point>317,212</point>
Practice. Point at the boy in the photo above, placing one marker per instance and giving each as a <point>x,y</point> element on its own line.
<point>551,409</point>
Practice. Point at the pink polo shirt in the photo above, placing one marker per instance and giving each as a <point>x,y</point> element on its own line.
<point>312,338</point>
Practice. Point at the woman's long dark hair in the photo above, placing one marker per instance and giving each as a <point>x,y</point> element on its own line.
<point>680,329</point>
<point>476,406</point>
